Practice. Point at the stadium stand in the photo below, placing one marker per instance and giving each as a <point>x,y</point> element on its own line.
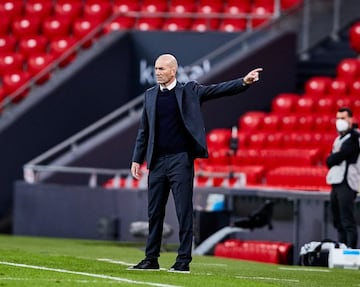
<point>32,26</point>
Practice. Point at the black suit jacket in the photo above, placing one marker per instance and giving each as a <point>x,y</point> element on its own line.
<point>189,96</point>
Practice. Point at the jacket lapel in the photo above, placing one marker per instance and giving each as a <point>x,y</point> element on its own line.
<point>152,96</point>
<point>179,95</point>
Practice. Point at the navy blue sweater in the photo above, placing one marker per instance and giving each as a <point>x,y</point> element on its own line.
<point>171,135</point>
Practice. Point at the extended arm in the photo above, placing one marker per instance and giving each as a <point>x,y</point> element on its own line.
<point>228,88</point>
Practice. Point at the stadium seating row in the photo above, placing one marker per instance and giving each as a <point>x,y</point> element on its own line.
<point>35,33</point>
<point>262,251</point>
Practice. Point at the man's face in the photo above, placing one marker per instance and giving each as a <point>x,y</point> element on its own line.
<point>164,71</point>
<point>341,119</point>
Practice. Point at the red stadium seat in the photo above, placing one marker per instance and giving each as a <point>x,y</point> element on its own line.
<point>354,89</point>
<point>97,9</point>
<point>218,139</point>
<point>317,86</point>
<point>68,9</point>
<point>15,80</point>
<point>11,62</point>
<point>120,23</point>
<point>354,36</point>
<point>348,69</point>
<point>205,24</point>
<point>251,120</point>
<point>59,46</point>
<point>149,23</point>
<point>323,122</point>
<point>246,156</point>
<point>257,140</point>
<point>7,43</point>
<point>82,27</point>
<point>11,8</point>
<point>233,25</point>
<point>180,6</point>
<point>325,105</point>
<point>271,122</point>
<point>5,24</point>
<point>338,87</point>
<point>355,104</point>
<point>177,24</point>
<point>303,178</point>
<point>254,173</point>
<point>288,122</point>
<point>219,157</point>
<point>262,12</point>
<point>341,102</point>
<point>56,27</point>
<point>210,6</point>
<point>271,158</point>
<point>305,105</point>
<point>124,6</point>
<point>306,122</point>
<point>237,7</point>
<point>154,6</point>
<point>261,251</point>
<point>284,103</point>
<point>275,139</point>
<point>243,139</point>
<point>26,26</point>
<point>33,45</point>
<point>38,8</point>
<point>37,63</point>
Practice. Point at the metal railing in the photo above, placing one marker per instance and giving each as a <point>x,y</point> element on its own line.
<point>299,23</point>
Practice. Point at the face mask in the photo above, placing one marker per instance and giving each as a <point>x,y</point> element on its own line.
<point>342,125</point>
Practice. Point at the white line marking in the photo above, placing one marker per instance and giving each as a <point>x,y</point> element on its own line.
<point>267,278</point>
<point>211,264</point>
<point>119,279</point>
<point>304,269</point>
<point>115,261</point>
<point>56,280</point>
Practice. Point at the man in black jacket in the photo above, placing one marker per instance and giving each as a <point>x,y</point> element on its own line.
<point>171,135</point>
<point>344,177</point>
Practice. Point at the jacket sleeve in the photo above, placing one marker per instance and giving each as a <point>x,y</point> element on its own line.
<point>347,151</point>
<point>214,91</point>
<point>141,139</point>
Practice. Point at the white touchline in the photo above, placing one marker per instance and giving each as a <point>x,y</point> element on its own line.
<point>267,278</point>
<point>114,261</point>
<point>86,274</point>
<point>304,269</point>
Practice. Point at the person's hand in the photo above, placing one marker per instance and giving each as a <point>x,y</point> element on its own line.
<point>135,170</point>
<point>252,76</point>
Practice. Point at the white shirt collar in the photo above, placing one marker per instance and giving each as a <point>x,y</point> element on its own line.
<point>169,87</point>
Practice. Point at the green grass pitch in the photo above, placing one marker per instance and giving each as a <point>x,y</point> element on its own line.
<point>33,261</point>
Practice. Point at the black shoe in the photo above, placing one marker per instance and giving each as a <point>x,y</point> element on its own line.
<point>146,265</point>
<point>180,267</point>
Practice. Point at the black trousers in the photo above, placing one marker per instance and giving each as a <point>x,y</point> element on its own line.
<point>342,201</point>
<point>173,172</point>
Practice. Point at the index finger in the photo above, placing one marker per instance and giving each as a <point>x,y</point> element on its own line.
<point>257,70</point>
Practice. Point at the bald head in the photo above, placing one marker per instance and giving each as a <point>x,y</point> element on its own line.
<point>169,60</point>
<point>165,69</point>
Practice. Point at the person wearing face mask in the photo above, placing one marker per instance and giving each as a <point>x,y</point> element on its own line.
<point>344,177</point>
